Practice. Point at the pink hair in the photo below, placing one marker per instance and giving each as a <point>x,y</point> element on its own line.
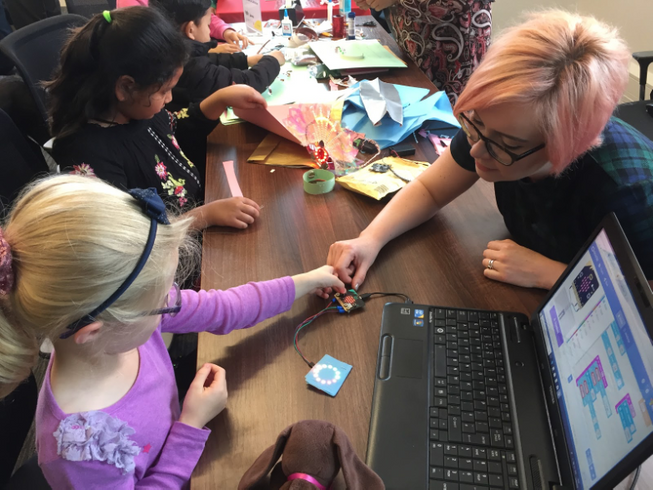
<point>572,69</point>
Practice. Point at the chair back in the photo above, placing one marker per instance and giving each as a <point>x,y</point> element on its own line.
<point>88,8</point>
<point>21,161</point>
<point>16,415</point>
<point>35,50</point>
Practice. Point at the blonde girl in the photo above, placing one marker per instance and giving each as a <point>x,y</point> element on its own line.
<point>91,267</point>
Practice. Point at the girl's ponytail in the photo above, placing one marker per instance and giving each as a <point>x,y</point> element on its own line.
<point>18,353</point>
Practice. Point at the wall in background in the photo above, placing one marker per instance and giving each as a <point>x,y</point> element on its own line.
<point>632,18</point>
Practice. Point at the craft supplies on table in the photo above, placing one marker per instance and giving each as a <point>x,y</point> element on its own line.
<point>376,182</point>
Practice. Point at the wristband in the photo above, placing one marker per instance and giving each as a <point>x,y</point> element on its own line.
<point>319,181</point>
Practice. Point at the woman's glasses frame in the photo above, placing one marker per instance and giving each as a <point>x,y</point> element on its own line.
<point>469,128</point>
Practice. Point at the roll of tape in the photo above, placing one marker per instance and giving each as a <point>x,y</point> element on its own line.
<point>319,181</point>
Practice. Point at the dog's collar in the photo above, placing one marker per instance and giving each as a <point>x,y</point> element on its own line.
<point>308,478</point>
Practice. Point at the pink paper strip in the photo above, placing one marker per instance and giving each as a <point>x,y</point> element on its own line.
<point>234,187</point>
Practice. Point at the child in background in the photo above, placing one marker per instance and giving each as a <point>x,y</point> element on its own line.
<point>91,268</point>
<point>108,117</point>
<point>219,29</point>
<point>205,72</point>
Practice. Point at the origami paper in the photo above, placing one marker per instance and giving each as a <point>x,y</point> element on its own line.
<point>380,98</point>
<point>435,109</point>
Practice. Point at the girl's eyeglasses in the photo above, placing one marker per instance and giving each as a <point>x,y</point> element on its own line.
<point>499,153</point>
<point>169,310</point>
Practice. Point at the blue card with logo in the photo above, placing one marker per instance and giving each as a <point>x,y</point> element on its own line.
<point>328,375</point>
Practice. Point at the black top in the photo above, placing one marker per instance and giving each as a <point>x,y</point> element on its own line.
<point>141,154</point>
<point>556,215</point>
<point>205,72</point>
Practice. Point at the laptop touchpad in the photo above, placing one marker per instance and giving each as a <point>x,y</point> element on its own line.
<point>407,358</point>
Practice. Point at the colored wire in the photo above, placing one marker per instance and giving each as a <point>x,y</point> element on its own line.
<point>305,323</point>
<point>407,300</point>
<point>636,477</point>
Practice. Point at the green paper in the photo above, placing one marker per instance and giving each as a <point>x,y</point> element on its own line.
<point>292,83</point>
<point>346,54</point>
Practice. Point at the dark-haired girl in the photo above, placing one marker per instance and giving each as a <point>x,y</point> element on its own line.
<point>108,117</point>
<point>206,72</point>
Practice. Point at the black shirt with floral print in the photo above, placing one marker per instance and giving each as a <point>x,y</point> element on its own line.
<point>140,154</point>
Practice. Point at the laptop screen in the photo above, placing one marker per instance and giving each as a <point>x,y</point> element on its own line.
<point>601,361</point>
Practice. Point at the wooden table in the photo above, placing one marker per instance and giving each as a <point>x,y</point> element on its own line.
<point>437,263</point>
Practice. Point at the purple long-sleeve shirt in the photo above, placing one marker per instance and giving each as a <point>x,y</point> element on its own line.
<point>138,442</point>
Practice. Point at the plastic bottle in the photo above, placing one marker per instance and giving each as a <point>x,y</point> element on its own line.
<point>286,24</point>
<point>330,12</point>
<point>346,7</point>
<point>338,24</point>
<point>351,26</point>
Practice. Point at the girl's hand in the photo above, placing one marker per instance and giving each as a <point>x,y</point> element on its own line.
<point>279,56</point>
<point>319,281</point>
<point>237,96</point>
<point>236,39</point>
<point>237,212</point>
<point>352,259</point>
<point>521,266</point>
<point>225,48</point>
<point>206,397</point>
<point>242,97</point>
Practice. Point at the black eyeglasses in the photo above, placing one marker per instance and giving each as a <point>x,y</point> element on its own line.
<point>496,151</point>
<point>169,310</point>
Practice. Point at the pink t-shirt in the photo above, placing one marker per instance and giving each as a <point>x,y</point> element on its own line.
<point>138,441</point>
<point>218,26</point>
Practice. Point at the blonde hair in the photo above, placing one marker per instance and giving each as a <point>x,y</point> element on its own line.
<point>74,240</point>
<point>573,69</point>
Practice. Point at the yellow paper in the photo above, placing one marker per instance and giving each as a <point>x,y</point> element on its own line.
<point>378,185</point>
<point>275,150</point>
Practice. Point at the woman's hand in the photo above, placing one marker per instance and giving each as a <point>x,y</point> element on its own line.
<point>237,212</point>
<point>239,40</point>
<point>519,265</point>
<point>351,259</point>
<point>319,281</point>
<point>206,396</point>
<point>225,48</point>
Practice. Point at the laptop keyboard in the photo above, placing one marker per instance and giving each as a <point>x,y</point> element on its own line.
<point>470,427</point>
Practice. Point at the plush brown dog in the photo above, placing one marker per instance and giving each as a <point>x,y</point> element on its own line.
<point>313,453</point>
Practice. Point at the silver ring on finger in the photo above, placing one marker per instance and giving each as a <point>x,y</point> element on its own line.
<point>490,264</point>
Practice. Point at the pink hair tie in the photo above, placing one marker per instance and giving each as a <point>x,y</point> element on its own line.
<point>6,272</point>
<point>308,478</point>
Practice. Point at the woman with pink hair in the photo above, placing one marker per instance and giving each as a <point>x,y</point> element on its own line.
<point>537,121</point>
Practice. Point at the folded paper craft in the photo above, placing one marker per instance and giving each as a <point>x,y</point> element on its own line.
<point>277,151</point>
<point>313,126</point>
<point>380,98</point>
<point>417,108</point>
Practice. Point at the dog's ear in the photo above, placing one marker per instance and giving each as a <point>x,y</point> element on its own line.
<point>358,476</point>
<point>265,461</point>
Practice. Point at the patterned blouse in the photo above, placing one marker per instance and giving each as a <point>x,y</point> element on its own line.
<point>445,38</point>
<point>141,154</point>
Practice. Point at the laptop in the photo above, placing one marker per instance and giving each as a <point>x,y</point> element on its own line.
<point>469,399</point>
